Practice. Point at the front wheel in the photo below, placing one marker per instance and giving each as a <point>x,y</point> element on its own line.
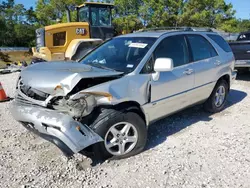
<point>124,135</point>
<point>217,100</point>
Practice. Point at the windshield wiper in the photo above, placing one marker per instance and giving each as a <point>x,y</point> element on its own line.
<point>98,65</point>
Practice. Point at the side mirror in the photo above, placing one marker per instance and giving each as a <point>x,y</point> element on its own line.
<point>163,65</point>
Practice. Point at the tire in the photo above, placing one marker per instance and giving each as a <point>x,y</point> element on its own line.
<point>109,118</point>
<point>211,105</point>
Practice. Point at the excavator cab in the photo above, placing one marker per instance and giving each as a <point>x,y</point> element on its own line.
<point>98,15</point>
<point>72,40</point>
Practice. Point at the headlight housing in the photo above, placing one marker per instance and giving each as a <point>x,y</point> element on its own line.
<point>76,108</point>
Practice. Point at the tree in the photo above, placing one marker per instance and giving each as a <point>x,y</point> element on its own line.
<point>127,24</point>
<point>243,25</point>
<point>31,16</point>
<point>47,11</point>
<point>126,16</point>
<point>161,13</point>
<point>127,7</point>
<point>207,13</point>
<point>17,25</point>
<point>230,26</point>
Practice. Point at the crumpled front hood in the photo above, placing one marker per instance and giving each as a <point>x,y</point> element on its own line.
<point>46,76</point>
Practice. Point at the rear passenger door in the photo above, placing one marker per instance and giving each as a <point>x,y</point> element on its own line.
<point>205,64</point>
<point>168,93</point>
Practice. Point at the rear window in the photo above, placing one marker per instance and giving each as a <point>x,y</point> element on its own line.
<point>244,36</point>
<point>221,42</point>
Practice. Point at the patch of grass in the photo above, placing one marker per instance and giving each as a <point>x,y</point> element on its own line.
<point>15,57</point>
<point>2,64</point>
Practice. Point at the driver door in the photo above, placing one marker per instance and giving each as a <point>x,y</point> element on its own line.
<point>168,93</point>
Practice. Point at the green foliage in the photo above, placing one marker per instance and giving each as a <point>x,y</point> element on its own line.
<point>127,24</point>
<point>161,13</point>
<point>244,25</point>
<point>231,25</point>
<point>176,13</point>
<point>48,11</point>
<point>18,24</point>
<point>207,13</point>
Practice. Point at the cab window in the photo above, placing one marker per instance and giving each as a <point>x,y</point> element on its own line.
<point>105,17</point>
<point>100,16</point>
<point>84,14</point>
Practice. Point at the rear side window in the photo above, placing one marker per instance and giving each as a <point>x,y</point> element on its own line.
<point>221,42</point>
<point>59,39</point>
<point>244,37</point>
<point>201,48</point>
<point>173,47</point>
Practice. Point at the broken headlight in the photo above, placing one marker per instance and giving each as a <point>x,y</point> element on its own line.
<point>75,108</point>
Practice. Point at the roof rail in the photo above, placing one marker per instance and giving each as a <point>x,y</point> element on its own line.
<point>177,29</point>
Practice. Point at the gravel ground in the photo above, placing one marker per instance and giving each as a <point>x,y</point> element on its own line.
<point>190,149</point>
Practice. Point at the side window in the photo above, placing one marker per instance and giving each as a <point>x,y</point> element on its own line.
<point>59,39</point>
<point>221,42</point>
<point>148,67</point>
<point>201,48</point>
<point>244,37</point>
<point>173,47</point>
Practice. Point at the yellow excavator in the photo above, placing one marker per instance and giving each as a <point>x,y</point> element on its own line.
<point>72,40</point>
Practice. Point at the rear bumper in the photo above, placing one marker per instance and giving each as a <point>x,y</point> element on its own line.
<point>242,64</point>
<point>69,135</point>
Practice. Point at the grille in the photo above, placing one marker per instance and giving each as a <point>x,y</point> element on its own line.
<point>20,100</point>
<point>32,93</point>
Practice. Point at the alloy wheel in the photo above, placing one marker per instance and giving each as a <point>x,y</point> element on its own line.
<point>121,138</point>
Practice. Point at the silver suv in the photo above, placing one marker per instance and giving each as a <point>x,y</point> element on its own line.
<point>104,103</point>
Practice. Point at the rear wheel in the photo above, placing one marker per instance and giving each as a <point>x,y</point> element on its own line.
<point>124,134</point>
<point>217,100</point>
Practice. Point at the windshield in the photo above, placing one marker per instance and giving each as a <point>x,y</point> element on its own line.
<point>120,54</point>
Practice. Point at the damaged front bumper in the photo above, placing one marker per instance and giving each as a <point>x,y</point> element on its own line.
<point>69,135</point>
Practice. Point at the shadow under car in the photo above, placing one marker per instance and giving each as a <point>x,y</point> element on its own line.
<point>160,130</point>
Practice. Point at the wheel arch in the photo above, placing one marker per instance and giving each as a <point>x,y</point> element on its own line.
<point>132,106</point>
<point>225,77</point>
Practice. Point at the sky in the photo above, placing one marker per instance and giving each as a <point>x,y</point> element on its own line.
<point>242,7</point>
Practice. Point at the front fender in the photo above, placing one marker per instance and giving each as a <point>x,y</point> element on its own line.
<point>128,88</point>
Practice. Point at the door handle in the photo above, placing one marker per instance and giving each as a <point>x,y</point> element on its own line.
<point>188,71</point>
<point>217,63</point>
